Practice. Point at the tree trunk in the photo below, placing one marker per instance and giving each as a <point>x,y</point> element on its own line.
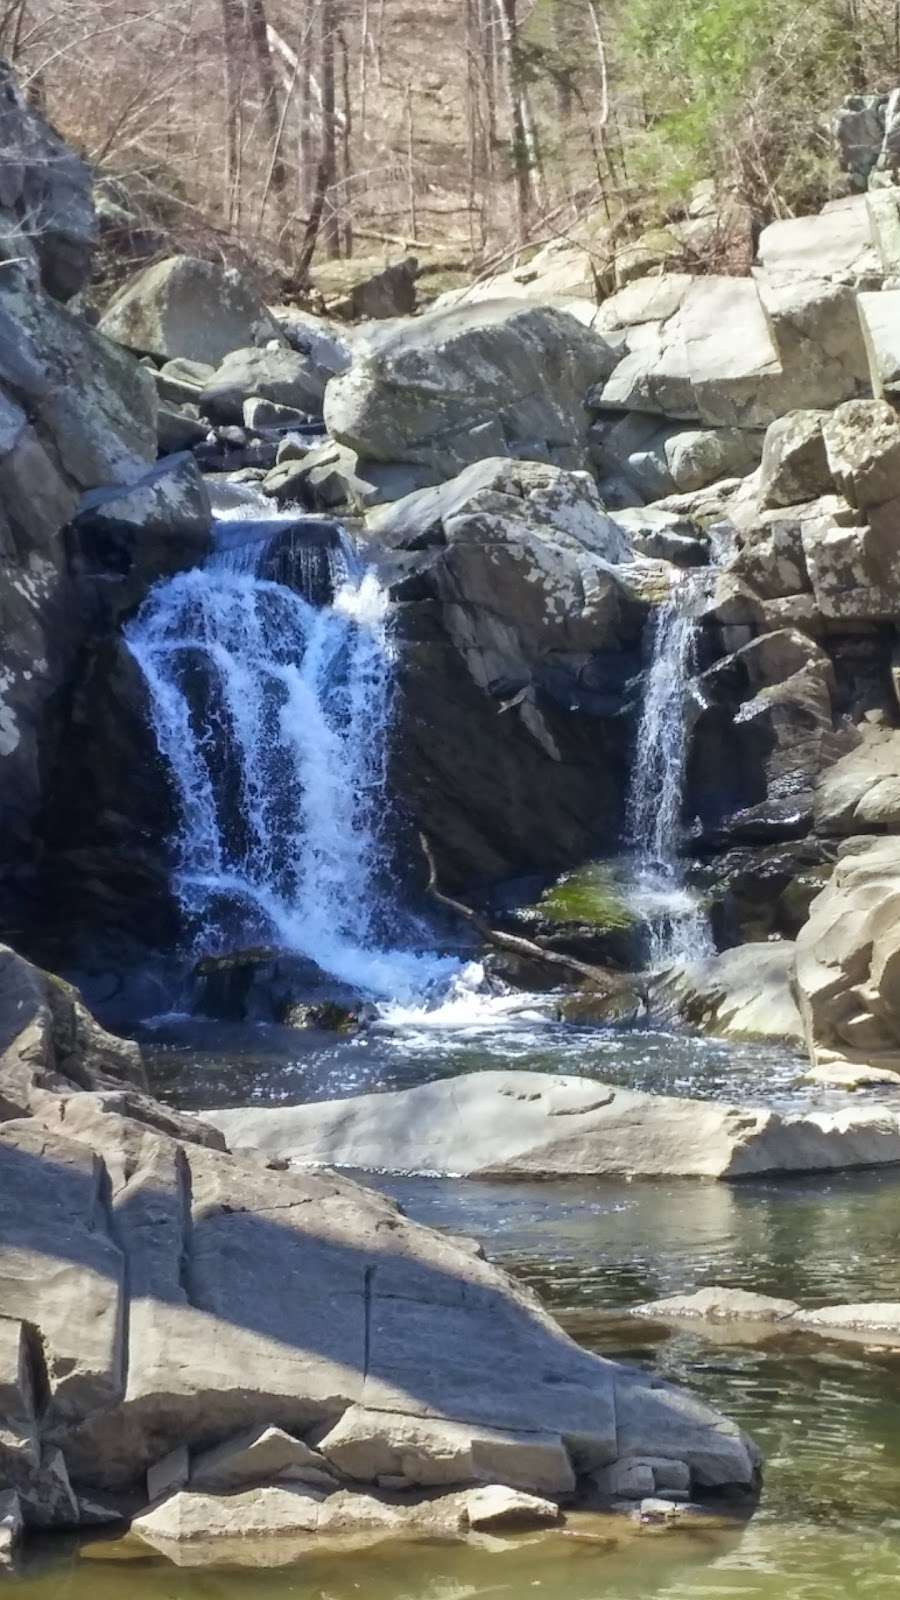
<point>346,145</point>
<point>271,116</point>
<point>232,39</point>
<point>507,18</point>
<point>331,230</point>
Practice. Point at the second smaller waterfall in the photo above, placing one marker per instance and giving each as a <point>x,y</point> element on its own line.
<point>677,924</point>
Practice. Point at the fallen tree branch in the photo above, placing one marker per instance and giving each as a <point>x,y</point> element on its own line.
<point>600,980</point>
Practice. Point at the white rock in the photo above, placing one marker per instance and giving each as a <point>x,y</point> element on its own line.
<point>496,1506</point>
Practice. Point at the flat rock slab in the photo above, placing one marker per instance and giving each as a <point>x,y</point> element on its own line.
<point>541,1124</point>
<point>873,1323</point>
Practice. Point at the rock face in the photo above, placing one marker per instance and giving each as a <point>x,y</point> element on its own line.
<point>516,1123</point>
<point>186,307</point>
<point>848,960</point>
<point>46,211</point>
<point>76,412</point>
<point>456,386</point>
<point>518,623</point>
<point>263,1307</point>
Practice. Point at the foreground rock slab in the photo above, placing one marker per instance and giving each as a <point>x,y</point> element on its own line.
<point>255,1351</point>
<point>504,1124</point>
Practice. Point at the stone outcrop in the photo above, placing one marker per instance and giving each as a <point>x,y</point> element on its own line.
<point>515,1124</point>
<point>519,620</point>
<point>47,221</point>
<point>183,306</point>
<point>201,1324</point>
<point>453,387</point>
<point>848,960</point>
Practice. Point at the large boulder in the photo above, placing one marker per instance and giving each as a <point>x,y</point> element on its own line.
<point>193,1315</point>
<point>519,629</point>
<point>744,993</point>
<point>187,307</point>
<point>848,960</point>
<point>453,387</point>
<point>532,1124</point>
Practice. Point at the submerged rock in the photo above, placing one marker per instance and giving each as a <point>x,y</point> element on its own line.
<point>510,1124</point>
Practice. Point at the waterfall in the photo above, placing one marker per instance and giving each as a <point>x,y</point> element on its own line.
<point>677,925</point>
<point>269,674</point>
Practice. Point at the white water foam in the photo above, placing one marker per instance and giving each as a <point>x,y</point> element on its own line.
<point>272,715</point>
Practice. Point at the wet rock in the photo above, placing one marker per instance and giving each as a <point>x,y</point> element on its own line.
<point>268,1511</point>
<point>146,530</point>
<point>744,993</point>
<point>493,1124</point>
<point>187,307</point>
<point>842,1075</point>
<point>717,1304</point>
<point>498,1507</point>
<point>519,630</point>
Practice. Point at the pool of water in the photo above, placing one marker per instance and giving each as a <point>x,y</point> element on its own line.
<point>197,1063</point>
<point>826,1414</point>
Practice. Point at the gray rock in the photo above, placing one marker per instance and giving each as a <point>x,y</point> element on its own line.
<point>862,441</point>
<point>169,1474</point>
<point>518,628</point>
<point>454,387</point>
<point>880,318</point>
<point>259,413</point>
<point>699,457</point>
<point>46,209</point>
<point>280,375</point>
<point>186,307</point>
<point>795,467</point>
<point>175,431</point>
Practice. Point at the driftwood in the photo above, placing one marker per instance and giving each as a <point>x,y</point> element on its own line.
<point>601,981</point>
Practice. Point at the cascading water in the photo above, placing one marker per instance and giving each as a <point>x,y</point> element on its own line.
<point>678,928</point>
<point>272,715</point>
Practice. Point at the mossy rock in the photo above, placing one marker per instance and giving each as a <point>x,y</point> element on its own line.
<point>590,897</point>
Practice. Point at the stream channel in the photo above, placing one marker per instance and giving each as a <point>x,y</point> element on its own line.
<point>278,764</point>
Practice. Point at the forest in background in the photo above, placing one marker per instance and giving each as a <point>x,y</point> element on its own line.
<point>291,132</point>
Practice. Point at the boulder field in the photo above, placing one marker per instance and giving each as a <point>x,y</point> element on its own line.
<point>207,1344</point>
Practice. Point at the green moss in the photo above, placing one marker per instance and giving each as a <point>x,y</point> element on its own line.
<point>589,896</point>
